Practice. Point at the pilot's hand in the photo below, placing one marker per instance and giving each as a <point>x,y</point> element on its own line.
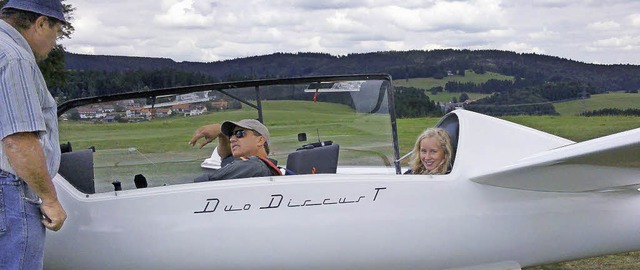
<point>54,214</point>
<point>208,132</point>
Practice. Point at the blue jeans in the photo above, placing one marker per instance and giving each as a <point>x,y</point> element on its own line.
<point>21,229</point>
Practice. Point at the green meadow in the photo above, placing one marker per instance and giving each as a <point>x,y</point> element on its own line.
<point>470,76</point>
<point>160,149</point>
<point>575,128</point>
<point>287,118</point>
<point>616,100</point>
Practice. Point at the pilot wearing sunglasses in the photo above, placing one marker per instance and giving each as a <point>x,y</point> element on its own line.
<point>243,146</point>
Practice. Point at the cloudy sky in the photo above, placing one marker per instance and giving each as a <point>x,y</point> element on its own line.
<point>592,31</point>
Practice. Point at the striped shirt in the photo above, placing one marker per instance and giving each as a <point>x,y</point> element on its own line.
<point>25,102</point>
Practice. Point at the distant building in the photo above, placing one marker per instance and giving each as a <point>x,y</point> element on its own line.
<point>197,110</point>
<point>107,108</point>
<point>220,105</point>
<point>146,113</point>
<point>126,103</point>
<point>110,119</point>
<point>134,112</point>
<point>181,108</point>
<point>188,109</point>
<point>163,112</point>
<point>91,113</point>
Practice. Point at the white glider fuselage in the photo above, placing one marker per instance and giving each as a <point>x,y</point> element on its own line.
<point>358,221</point>
<point>355,219</point>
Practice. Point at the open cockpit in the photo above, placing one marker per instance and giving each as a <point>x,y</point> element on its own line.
<point>320,125</point>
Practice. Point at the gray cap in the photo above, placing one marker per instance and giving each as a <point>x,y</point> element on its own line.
<point>49,8</point>
<point>227,128</point>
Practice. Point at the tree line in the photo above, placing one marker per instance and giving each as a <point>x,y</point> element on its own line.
<point>540,78</point>
<point>612,112</point>
<point>96,83</point>
<point>411,102</point>
<point>522,96</point>
<point>530,68</point>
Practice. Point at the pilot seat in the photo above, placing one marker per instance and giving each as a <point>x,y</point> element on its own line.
<point>314,158</point>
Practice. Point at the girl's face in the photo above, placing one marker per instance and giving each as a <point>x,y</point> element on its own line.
<point>431,154</point>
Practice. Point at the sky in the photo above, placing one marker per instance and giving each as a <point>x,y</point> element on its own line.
<point>591,31</point>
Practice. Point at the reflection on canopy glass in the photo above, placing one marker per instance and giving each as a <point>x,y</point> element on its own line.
<point>148,136</point>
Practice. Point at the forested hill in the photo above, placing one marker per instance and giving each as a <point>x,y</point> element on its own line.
<point>400,64</point>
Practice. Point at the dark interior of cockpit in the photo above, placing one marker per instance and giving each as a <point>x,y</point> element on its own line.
<point>311,158</point>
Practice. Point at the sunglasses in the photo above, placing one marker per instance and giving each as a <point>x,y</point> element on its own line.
<point>239,133</point>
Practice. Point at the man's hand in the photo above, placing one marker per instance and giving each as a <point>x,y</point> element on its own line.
<point>27,159</point>
<point>54,215</point>
<point>208,132</point>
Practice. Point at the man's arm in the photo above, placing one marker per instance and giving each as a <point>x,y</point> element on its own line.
<point>210,133</point>
<point>27,160</point>
<point>240,168</point>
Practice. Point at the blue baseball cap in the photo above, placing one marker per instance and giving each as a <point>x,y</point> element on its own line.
<point>49,8</point>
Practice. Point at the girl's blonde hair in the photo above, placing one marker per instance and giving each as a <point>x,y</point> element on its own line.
<point>445,143</point>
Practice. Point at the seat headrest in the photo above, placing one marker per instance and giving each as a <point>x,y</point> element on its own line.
<point>323,159</point>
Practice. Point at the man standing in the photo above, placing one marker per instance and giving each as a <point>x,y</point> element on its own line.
<point>30,151</point>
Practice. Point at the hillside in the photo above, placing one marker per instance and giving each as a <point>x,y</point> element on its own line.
<point>400,64</point>
<point>597,102</point>
<point>503,83</point>
<point>470,76</point>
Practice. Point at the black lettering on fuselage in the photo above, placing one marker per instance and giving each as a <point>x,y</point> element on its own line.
<point>206,207</point>
<point>276,201</point>
<point>273,204</point>
<point>377,191</point>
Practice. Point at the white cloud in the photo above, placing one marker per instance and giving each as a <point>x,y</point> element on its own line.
<point>211,30</point>
<point>604,26</point>
<point>181,14</point>
<point>545,34</point>
<point>324,4</point>
<point>432,47</point>
<point>84,50</point>
<point>472,16</point>
<point>624,43</point>
<point>635,20</point>
<point>340,21</point>
<point>521,48</point>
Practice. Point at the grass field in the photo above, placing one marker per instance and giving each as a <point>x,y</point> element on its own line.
<point>285,120</point>
<point>447,97</point>
<point>172,134</point>
<point>575,128</point>
<point>159,149</point>
<point>470,76</point>
<point>617,100</point>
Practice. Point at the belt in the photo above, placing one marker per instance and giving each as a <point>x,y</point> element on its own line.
<point>14,180</point>
<point>4,173</point>
<point>9,178</point>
